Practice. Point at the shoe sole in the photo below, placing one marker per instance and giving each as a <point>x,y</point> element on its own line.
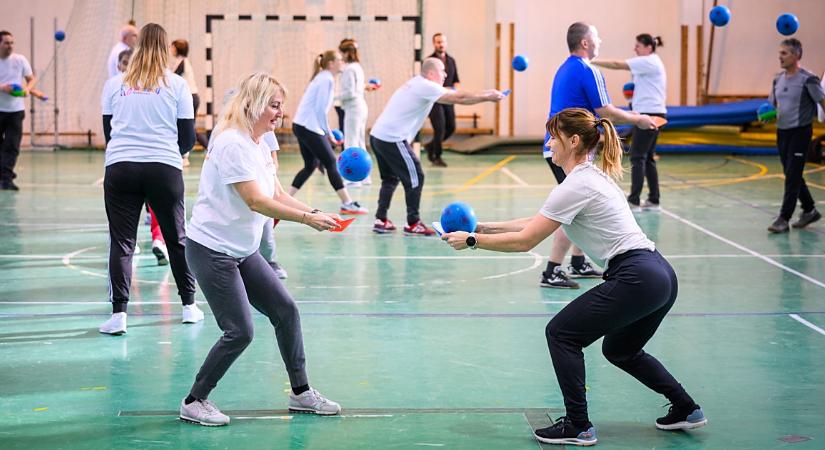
<point>113,333</point>
<point>198,422</point>
<point>550,286</point>
<point>584,276</point>
<point>682,425</point>
<point>776,231</point>
<point>353,213</point>
<point>162,260</point>
<point>378,231</point>
<point>313,411</point>
<point>566,441</point>
<point>191,321</point>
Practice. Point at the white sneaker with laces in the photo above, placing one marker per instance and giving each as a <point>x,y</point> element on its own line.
<point>115,325</point>
<point>192,314</point>
<point>160,252</point>
<point>353,208</point>
<point>313,402</point>
<point>203,412</point>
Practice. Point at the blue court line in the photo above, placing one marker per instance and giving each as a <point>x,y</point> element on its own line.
<point>460,315</point>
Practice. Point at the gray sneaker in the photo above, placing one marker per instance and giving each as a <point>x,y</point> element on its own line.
<point>280,272</point>
<point>650,206</point>
<point>203,412</point>
<point>779,225</point>
<point>313,402</point>
<point>807,218</point>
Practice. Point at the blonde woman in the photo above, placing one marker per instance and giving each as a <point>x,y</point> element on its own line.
<point>639,285</point>
<point>313,133</point>
<point>239,190</point>
<point>148,123</point>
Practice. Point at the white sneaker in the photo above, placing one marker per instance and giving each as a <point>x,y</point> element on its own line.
<point>353,208</point>
<point>115,325</point>
<point>203,412</point>
<point>352,184</point>
<point>367,181</point>
<point>137,249</point>
<point>192,314</point>
<point>313,402</point>
<point>161,253</point>
<point>650,206</point>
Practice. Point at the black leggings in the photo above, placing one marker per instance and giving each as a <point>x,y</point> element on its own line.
<point>442,118</point>
<point>638,291</point>
<point>315,149</point>
<point>126,186</point>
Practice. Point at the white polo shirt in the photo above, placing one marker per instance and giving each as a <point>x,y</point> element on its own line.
<point>594,213</point>
<point>221,220</point>
<point>650,93</point>
<point>145,122</point>
<point>315,103</point>
<point>13,70</point>
<point>407,109</point>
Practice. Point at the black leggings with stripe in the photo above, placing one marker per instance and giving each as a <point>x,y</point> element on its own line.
<point>316,150</point>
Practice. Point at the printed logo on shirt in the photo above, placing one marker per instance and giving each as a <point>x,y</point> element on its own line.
<point>126,91</point>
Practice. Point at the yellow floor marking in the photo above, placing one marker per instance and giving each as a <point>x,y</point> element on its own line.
<point>476,179</point>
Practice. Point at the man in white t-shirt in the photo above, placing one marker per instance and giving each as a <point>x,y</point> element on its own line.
<point>16,79</point>
<point>128,39</point>
<point>397,126</point>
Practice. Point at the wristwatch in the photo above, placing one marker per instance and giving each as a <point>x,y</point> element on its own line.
<point>472,241</point>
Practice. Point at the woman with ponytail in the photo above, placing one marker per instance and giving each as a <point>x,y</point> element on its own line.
<point>639,285</point>
<point>313,133</point>
<point>649,97</point>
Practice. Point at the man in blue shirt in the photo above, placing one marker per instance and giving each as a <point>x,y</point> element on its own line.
<point>578,84</point>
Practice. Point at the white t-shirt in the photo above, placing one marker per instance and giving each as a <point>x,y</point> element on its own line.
<point>111,63</point>
<point>594,213</point>
<point>352,86</point>
<point>13,70</point>
<point>407,109</point>
<point>221,220</point>
<point>316,102</point>
<point>650,93</point>
<point>144,123</point>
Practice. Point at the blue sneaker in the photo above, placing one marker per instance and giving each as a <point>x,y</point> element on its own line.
<point>682,419</point>
<point>563,432</point>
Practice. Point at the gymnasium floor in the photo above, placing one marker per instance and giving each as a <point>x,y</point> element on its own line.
<point>423,346</point>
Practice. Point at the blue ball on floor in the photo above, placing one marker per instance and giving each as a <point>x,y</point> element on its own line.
<point>787,24</point>
<point>520,63</point>
<point>719,15</point>
<point>458,216</point>
<point>354,164</point>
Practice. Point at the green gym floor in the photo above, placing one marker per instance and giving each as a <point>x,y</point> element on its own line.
<point>422,346</point>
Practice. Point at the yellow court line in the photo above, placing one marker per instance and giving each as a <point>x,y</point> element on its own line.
<point>476,179</point>
<point>763,170</point>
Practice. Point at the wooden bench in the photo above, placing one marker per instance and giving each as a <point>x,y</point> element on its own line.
<point>475,130</point>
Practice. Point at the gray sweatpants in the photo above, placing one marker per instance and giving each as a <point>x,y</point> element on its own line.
<point>231,285</point>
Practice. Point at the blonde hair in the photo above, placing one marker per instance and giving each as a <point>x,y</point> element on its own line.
<point>248,102</point>
<point>148,65</point>
<point>322,60</point>
<point>581,122</point>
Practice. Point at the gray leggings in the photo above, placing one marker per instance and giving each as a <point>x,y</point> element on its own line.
<point>231,285</point>
<point>267,249</point>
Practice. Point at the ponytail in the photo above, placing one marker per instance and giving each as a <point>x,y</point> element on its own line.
<point>611,163</point>
<point>322,60</point>
<point>581,122</point>
<point>649,41</point>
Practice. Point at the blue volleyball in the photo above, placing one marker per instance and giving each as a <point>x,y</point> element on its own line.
<point>354,164</point>
<point>720,15</point>
<point>520,63</point>
<point>338,135</point>
<point>458,216</point>
<point>787,24</point>
<point>59,35</point>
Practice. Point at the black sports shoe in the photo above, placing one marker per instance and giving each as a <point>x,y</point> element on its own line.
<point>557,279</point>
<point>779,225</point>
<point>8,185</point>
<point>586,270</point>
<point>807,218</point>
<point>682,419</point>
<point>563,432</point>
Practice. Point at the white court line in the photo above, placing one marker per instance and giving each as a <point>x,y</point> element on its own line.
<point>512,175</point>
<point>744,249</point>
<point>807,324</point>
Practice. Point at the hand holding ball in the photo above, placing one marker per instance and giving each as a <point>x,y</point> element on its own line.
<point>766,112</point>
<point>338,136</point>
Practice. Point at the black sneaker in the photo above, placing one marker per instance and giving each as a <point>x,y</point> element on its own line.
<point>557,279</point>
<point>807,218</point>
<point>682,419</point>
<point>564,432</point>
<point>779,225</point>
<point>9,186</point>
<point>586,270</point>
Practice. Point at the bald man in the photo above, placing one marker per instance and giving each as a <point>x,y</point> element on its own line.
<point>397,126</point>
<point>128,40</point>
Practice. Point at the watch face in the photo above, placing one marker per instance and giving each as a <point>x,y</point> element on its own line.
<point>471,241</point>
